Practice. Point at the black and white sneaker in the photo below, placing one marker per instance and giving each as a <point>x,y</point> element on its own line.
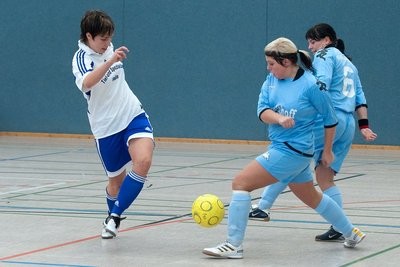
<point>259,214</point>
<point>330,236</point>
<point>110,227</point>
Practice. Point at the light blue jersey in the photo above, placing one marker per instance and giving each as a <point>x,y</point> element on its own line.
<point>302,99</point>
<point>341,79</point>
<point>343,84</point>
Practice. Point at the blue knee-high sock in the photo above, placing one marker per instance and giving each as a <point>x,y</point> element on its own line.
<point>334,193</point>
<point>238,215</point>
<point>270,194</point>
<point>110,201</point>
<point>331,212</point>
<point>130,189</point>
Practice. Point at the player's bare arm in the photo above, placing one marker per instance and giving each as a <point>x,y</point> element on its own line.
<point>98,73</point>
<point>270,116</point>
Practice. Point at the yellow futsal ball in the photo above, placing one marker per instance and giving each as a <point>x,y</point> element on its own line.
<point>208,210</point>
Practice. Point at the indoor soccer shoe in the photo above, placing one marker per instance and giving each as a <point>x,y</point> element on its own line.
<point>111,225</point>
<point>331,236</point>
<point>225,250</point>
<point>259,214</point>
<point>356,237</point>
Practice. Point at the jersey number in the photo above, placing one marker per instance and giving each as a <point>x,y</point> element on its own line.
<point>348,83</point>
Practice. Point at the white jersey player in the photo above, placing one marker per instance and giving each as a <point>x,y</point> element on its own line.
<point>120,125</point>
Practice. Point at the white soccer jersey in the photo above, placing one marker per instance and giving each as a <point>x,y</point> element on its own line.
<point>111,103</point>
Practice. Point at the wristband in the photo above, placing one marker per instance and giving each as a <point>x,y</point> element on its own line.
<point>363,123</point>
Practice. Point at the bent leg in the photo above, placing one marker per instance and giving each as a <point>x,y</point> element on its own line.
<point>141,152</point>
<point>270,194</point>
<point>324,205</point>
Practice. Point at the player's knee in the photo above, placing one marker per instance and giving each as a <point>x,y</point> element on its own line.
<point>325,182</point>
<point>239,183</point>
<point>142,165</point>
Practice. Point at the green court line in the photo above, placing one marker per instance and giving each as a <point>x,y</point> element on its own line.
<point>370,256</point>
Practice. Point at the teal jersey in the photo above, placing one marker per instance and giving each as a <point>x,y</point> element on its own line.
<point>303,99</point>
<point>341,79</point>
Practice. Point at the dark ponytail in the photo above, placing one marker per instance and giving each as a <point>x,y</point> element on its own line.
<point>322,30</point>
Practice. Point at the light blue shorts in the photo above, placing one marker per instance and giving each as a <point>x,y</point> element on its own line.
<point>113,149</point>
<point>343,139</point>
<point>286,165</point>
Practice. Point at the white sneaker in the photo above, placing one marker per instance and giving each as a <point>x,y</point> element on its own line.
<point>356,237</point>
<point>225,250</point>
<point>111,225</point>
<point>105,234</point>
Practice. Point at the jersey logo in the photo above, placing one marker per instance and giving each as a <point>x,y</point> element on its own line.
<point>322,86</point>
<point>288,113</point>
<point>266,155</point>
<point>321,54</point>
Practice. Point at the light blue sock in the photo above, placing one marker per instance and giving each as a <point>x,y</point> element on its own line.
<point>334,193</point>
<point>332,213</point>
<point>110,201</point>
<point>130,189</point>
<point>238,215</point>
<point>270,194</point>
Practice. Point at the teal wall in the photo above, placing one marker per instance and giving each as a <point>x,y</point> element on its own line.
<point>197,66</point>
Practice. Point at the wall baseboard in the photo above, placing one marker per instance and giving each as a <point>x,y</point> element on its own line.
<point>184,140</point>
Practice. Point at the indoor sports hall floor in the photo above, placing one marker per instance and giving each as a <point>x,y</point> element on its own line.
<point>52,207</point>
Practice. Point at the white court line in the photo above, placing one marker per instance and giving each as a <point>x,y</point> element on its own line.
<point>32,188</point>
<point>36,179</point>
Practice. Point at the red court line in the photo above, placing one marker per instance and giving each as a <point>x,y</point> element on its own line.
<point>88,238</point>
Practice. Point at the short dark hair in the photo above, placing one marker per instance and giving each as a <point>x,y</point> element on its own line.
<point>96,22</point>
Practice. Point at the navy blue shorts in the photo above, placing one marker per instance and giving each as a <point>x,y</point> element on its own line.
<point>113,149</point>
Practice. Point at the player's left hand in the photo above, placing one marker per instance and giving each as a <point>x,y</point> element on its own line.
<point>368,134</point>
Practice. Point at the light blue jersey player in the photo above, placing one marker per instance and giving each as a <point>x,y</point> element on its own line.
<point>304,100</point>
<point>289,102</point>
<point>340,76</point>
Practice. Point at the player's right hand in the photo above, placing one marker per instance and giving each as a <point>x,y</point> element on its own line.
<point>286,122</point>
<point>120,53</point>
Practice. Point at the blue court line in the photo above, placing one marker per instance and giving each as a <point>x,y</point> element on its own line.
<point>45,264</point>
